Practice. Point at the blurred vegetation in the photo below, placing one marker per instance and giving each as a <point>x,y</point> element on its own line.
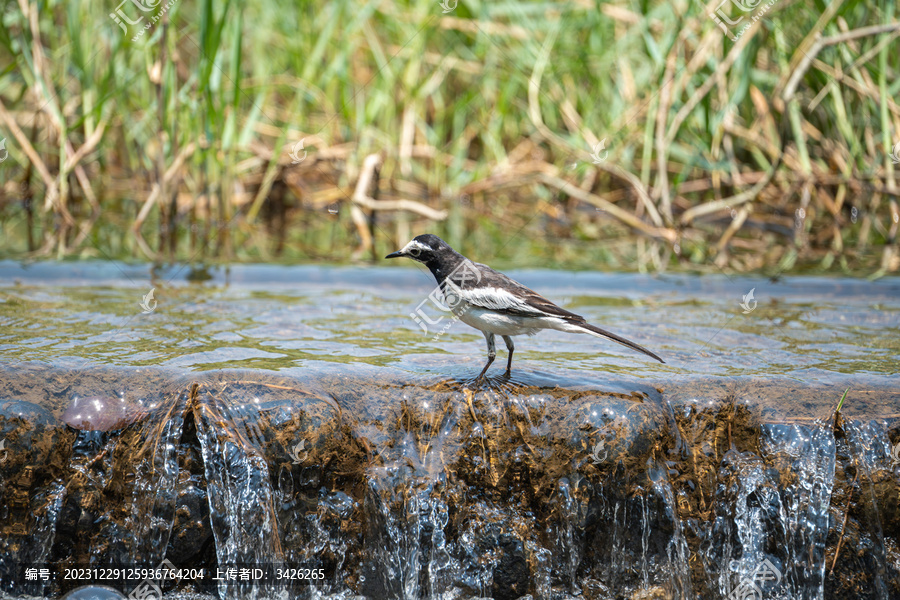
<point>622,135</point>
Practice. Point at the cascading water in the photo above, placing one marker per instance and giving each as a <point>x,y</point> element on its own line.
<point>865,508</point>
<point>430,491</point>
<point>241,495</point>
<point>803,457</point>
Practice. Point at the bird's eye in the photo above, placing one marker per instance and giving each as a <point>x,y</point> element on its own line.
<point>414,251</point>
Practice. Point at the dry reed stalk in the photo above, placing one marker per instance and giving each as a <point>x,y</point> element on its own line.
<point>34,158</point>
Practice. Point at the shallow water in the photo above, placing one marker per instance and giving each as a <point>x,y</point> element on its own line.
<point>300,416</point>
<point>281,318</point>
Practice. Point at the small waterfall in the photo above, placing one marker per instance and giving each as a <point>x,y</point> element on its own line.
<point>747,507</point>
<point>677,555</point>
<point>864,489</point>
<point>772,507</point>
<point>154,482</point>
<point>393,503</point>
<point>433,492</point>
<point>569,506</point>
<point>241,497</point>
<point>803,457</point>
<point>406,503</point>
<point>31,544</point>
<point>110,501</point>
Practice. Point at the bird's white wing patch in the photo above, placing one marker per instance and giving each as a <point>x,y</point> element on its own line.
<point>497,299</point>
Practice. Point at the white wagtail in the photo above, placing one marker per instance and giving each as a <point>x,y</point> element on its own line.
<point>492,302</point>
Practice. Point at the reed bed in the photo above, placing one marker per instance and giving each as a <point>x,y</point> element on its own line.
<point>576,134</point>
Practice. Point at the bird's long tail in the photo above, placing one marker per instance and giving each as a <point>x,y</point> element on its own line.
<point>597,332</point>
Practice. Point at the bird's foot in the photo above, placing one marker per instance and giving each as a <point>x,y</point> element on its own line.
<point>480,381</point>
<point>484,381</point>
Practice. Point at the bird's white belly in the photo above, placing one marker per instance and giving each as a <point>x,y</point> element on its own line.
<point>498,324</point>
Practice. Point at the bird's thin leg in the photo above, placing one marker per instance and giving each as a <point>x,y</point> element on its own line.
<point>511,348</point>
<point>492,353</point>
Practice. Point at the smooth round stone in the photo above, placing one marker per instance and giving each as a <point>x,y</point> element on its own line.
<point>29,413</point>
<point>101,413</point>
<point>94,592</point>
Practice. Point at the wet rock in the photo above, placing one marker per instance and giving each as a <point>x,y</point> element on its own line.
<point>74,524</point>
<point>191,536</point>
<point>615,429</point>
<point>399,488</point>
<point>511,575</point>
<point>594,590</point>
<point>655,593</point>
<point>27,434</point>
<point>102,413</point>
<point>34,451</point>
<point>27,413</point>
<point>191,531</point>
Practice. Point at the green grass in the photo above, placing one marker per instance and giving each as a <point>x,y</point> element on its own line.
<point>495,92</point>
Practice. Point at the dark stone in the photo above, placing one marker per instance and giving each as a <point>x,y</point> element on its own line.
<point>191,531</point>
<point>511,575</point>
<point>27,413</point>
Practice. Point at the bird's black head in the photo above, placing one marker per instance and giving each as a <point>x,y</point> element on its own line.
<point>426,249</point>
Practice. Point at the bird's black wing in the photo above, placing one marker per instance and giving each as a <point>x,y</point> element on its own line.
<point>493,290</point>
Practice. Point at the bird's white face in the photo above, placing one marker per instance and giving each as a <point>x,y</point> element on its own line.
<point>417,251</point>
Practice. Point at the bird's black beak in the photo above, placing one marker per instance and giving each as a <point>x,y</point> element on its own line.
<point>396,254</point>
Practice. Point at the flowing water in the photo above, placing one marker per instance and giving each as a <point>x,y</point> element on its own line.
<point>285,432</point>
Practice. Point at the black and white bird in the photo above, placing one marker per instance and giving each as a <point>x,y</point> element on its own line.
<point>492,302</point>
